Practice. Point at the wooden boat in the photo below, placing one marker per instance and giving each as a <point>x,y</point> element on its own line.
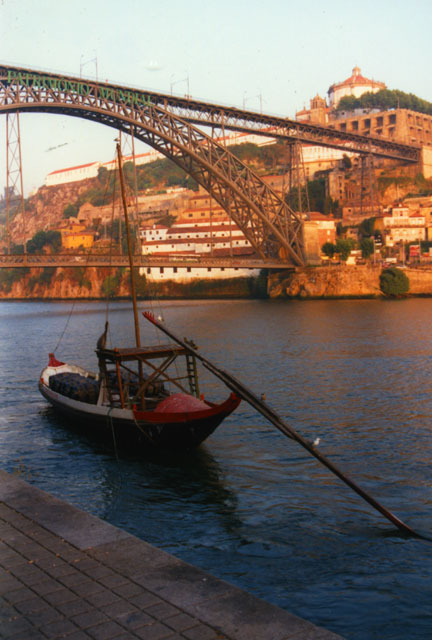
<point>114,402</point>
<point>140,395</point>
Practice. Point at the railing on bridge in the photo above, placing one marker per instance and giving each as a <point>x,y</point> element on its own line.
<point>140,261</point>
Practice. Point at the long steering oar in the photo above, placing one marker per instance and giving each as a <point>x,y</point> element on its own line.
<point>242,391</point>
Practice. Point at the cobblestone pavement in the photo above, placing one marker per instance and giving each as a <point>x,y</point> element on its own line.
<point>67,574</point>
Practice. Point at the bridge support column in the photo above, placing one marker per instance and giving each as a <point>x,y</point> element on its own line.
<point>312,249</point>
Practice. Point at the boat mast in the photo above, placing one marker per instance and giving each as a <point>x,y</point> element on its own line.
<point>131,266</point>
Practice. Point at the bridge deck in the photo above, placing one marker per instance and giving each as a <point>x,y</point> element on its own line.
<point>82,260</point>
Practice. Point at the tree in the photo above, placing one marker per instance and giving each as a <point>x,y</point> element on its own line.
<point>346,162</point>
<point>394,282</point>
<point>328,249</point>
<point>344,247</point>
<point>42,239</point>
<point>366,227</point>
<point>71,211</point>
<point>367,247</point>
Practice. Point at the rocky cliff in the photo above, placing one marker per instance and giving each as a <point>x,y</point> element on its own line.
<point>78,283</point>
<point>341,282</point>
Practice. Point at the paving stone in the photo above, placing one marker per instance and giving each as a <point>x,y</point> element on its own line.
<point>105,631</point>
<point>157,631</point>
<point>74,608</point>
<point>128,589</point>
<point>111,580</point>
<point>74,579</point>
<point>59,629</point>
<point>28,634</point>
<point>117,609</point>
<point>28,574</point>
<point>47,586</point>
<point>85,589</point>
<point>162,610</point>
<point>45,616</point>
<point>180,622</point>
<point>79,635</point>
<point>31,606</point>
<point>60,597</point>
<point>14,625</point>
<point>88,565</point>
<point>89,619</point>
<point>15,591</point>
<point>145,599</point>
<point>135,619</point>
<point>202,632</point>
<point>102,598</point>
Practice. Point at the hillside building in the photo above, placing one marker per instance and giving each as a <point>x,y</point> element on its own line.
<point>401,226</point>
<point>74,235</point>
<point>204,229</point>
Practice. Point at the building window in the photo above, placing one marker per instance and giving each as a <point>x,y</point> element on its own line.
<point>175,270</point>
<point>161,269</point>
<point>188,269</point>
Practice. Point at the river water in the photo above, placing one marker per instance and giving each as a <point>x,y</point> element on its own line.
<point>250,506</point>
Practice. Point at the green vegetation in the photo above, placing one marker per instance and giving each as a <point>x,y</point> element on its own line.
<point>44,239</point>
<point>78,276</point>
<point>394,282</point>
<point>71,211</point>
<point>385,99</point>
<point>111,284</point>
<point>367,247</point>
<point>344,247</point>
<point>318,200</point>
<point>328,249</point>
<point>9,276</point>
<point>44,278</point>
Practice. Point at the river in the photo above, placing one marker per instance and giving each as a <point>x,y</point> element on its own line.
<point>250,506</point>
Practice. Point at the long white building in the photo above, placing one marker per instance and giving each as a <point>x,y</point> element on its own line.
<point>190,240</point>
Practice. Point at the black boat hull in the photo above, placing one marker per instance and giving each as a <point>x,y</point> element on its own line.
<point>126,427</point>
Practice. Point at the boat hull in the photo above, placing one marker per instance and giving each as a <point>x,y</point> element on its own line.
<point>144,429</point>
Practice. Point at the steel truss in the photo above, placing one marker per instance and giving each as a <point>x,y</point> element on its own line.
<point>265,219</point>
<point>231,118</point>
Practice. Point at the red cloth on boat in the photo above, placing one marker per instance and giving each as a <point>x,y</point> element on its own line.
<point>180,403</point>
<point>53,362</point>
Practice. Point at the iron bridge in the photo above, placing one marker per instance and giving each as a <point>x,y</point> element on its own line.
<point>168,124</point>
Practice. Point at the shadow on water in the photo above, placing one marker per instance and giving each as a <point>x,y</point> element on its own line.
<point>152,475</point>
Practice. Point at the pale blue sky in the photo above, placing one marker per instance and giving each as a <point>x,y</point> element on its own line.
<point>231,50</point>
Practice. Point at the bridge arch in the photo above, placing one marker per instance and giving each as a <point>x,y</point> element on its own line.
<point>270,225</point>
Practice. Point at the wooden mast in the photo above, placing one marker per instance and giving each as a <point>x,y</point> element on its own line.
<point>131,266</point>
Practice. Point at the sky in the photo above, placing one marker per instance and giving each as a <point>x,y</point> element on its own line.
<point>226,51</point>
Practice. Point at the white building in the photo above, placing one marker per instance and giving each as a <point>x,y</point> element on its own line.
<point>404,227</point>
<point>355,86</point>
<point>191,240</point>
<point>72,174</point>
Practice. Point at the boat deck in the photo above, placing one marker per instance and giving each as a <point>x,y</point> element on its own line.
<point>135,353</point>
<point>68,574</point>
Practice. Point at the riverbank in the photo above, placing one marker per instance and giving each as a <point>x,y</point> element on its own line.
<point>341,281</point>
<point>327,282</point>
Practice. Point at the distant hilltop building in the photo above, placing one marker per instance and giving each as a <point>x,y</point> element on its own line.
<point>90,170</point>
<point>402,125</point>
<point>356,85</point>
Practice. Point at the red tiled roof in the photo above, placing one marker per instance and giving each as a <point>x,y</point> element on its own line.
<point>80,166</point>
<point>356,79</point>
